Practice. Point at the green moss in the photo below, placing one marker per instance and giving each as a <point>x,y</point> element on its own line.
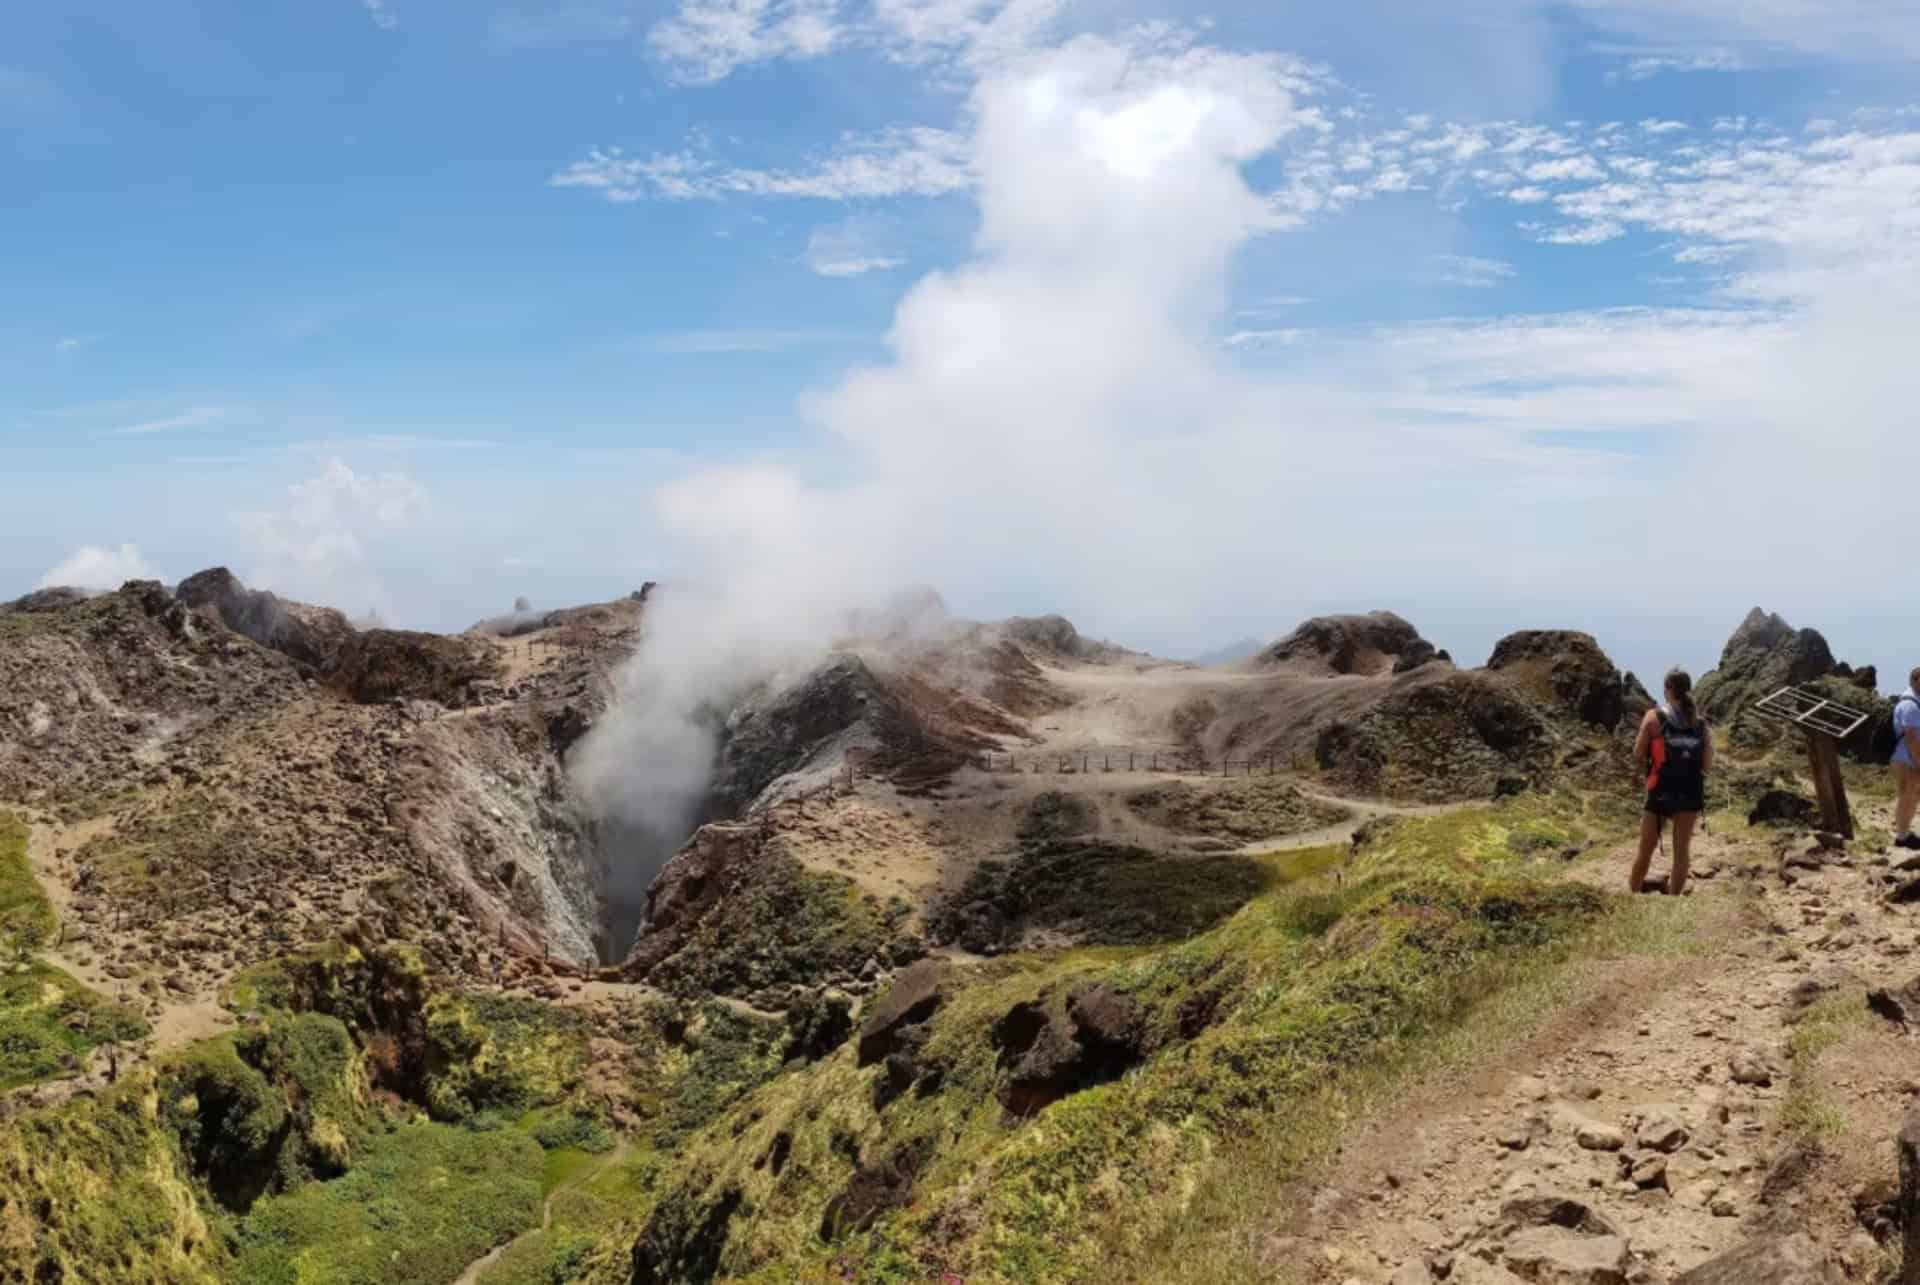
<point>94,1190</point>
<point>500,1052</point>
<point>48,1021</point>
<point>787,925</point>
<point>1242,809</point>
<point>426,1200</point>
<point>731,1053</point>
<point>26,917</point>
<point>1313,979</point>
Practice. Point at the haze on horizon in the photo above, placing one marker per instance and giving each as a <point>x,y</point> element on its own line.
<point>1186,321</point>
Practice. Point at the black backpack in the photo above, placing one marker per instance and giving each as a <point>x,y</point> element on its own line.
<point>1680,770</point>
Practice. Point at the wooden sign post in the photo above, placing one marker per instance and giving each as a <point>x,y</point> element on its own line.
<point>1826,723</point>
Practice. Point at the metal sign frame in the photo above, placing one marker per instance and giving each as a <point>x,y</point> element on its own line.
<point>1826,723</point>
<point>1813,712</point>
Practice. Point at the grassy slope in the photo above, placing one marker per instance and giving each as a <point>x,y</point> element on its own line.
<point>48,1020</point>
<point>1340,966</point>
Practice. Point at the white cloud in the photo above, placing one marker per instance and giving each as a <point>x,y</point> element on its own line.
<point>1821,28</point>
<point>383,16</point>
<point>706,40</point>
<point>315,545</point>
<point>1647,65</point>
<point>74,343</point>
<point>1464,270</point>
<point>97,568</point>
<point>1652,126</point>
<point>853,247</point>
<point>903,161</point>
<point>196,417</point>
<point>1565,169</point>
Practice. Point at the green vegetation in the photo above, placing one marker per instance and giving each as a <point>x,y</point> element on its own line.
<point>48,1021</point>
<point>1336,967</point>
<point>1241,809</point>
<point>26,917</point>
<point>501,1053</point>
<point>1095,892</point>
<point>424,1201</point>
<point>1807,1114</point>
<point>787,925</point>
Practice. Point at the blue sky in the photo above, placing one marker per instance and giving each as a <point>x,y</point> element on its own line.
<point>1186,320</point>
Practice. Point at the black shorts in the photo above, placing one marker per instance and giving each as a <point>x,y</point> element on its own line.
<point>1666,803</point>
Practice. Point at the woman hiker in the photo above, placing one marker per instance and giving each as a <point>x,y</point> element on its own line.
<point>1674,752</point>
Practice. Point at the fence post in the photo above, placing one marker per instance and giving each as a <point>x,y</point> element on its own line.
<point>1109,762</point>
<point>1129,760</point>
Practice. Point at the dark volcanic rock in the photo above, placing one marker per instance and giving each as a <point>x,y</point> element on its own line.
<point>58,598</point>
<point>1101,1036</point>
<point>1458,737</point>
<point>682,1242</point>
<point>1369,644</point>
<point>917,994</point>
<point>1054,634</point>
<point>874,1189</point>
<point>382,665</point>
<point>1782,807</point>
<point>1765,654</point>
<point>313,636</point>
<point>688,886</point>
<point>1566,667</point>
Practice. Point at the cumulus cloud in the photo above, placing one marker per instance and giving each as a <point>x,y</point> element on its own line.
<point>99,568</point>
<point>1465,270</point>
<point>315,544</point>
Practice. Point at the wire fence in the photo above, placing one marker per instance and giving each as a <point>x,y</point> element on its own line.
<point>1175,762</point>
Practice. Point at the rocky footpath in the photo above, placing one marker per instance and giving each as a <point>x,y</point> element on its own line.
<point>1728,1118</point>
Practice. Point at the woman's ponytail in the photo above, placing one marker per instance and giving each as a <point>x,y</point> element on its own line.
<point>1680,691</point>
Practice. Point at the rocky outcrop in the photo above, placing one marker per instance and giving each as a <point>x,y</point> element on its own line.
<point>383,665</point>
<point>1371,644</point>
<point>312,636</point>
<point>916,996</point>
<point>874,1189</point>
<point>54,599</point>
<point>1052,634</point>
<point>1765,654</point>
<point>1098,1036</point>
<point>1565,668</point>
<point>1460,737</point>
<point>688,886</point>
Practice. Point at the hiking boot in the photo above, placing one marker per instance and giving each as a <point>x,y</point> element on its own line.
<point>1908,840</point>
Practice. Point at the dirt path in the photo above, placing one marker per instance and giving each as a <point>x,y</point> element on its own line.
<point>479,1265</point>
<point>1674,1073</point>
<point>179,1020</point>
<point>1362,811</point>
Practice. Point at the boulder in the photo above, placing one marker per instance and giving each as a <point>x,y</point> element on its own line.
<point>1661,1131</point>
<point>1047,1055</point>
<point>1566,668</point>
<point>917,995</point>
<point>874,1189</point>
<point>1591,1135</point>
<point>1746,1067</point>
<point>1784,808</point>
<point>1898,1004</point>
<point>382,666</point>
<point>1768,1260</point>
<point>1557,1256</point>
